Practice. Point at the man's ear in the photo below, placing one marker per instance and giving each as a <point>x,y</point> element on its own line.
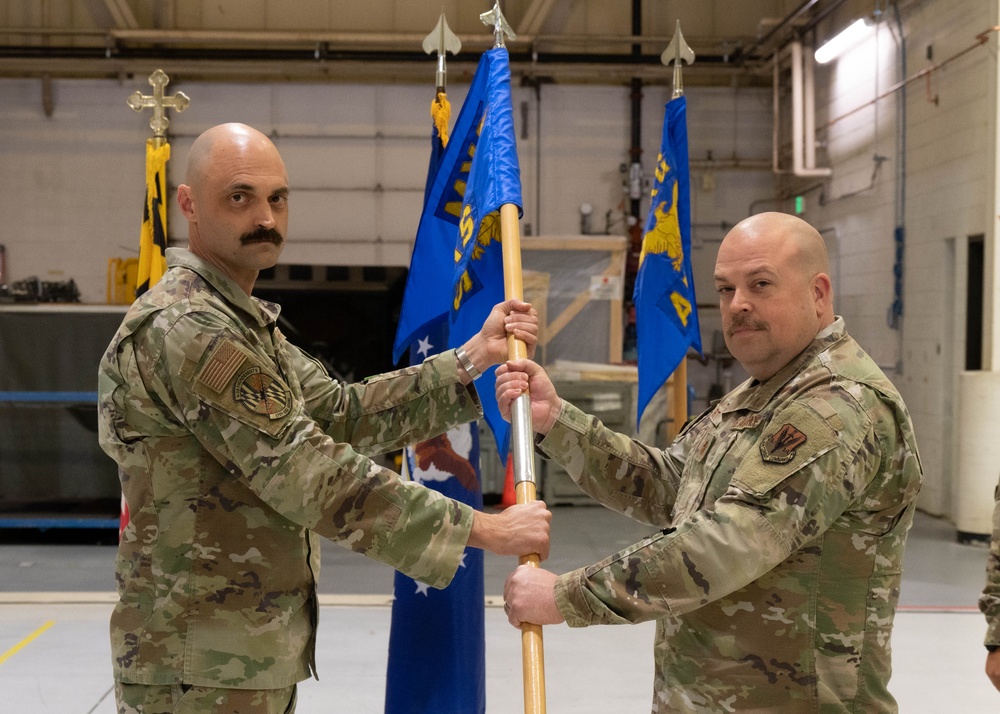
<point>822,292</point>
<point>186,201</point>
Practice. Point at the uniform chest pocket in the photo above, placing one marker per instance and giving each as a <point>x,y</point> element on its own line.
<point>703,482</point>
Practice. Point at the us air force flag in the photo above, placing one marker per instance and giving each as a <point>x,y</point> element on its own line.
<point>437,640</point>
<point>666,311</point>
<point>458,242</point>
<point>437,643</point>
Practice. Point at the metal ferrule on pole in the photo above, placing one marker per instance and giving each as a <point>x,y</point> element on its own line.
<point>522,449</point>
<point>441,76</point>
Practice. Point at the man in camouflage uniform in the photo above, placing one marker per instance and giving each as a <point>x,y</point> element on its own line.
<point>236,451</point>
<point>989,602</point>
<point>784,508</point>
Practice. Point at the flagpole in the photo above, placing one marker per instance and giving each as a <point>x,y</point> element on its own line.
<point>678,52</point>
<point>522,442</point>
<point>159,103</point>
<point>532,655</point>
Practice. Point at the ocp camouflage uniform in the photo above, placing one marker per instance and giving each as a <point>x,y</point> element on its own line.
<point>784,512</point>
<point>236,451</point>
<point>989,601</point>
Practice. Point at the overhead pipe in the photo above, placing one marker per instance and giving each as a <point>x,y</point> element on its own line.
<point>747,53</point>
<point>634,180</point>
<point>168,37</point>
<point>788,23</point>
<point>776,115</point>
<point>809,113</point>
<point>803,117</point>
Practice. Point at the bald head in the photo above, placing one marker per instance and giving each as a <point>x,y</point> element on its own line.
<point>774,290</point>
<point>795,238</point>
<point>235,199</point>
<point>225,140</point>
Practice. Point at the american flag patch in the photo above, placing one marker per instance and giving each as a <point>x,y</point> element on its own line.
<point>223,364</point>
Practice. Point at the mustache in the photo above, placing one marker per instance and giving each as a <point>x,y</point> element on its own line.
<point>741,321</point>
<point>262,235</point>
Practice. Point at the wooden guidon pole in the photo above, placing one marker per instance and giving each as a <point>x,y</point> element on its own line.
<point>522,442</point>
<point>532,656</point>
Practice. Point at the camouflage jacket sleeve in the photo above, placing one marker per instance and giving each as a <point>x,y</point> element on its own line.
<point>989,602</point>
<point>251,418</point>
<point>613,469</point>
<point>382,413</point>
<point>767,512</point>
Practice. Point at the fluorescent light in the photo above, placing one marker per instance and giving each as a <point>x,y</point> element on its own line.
<point>841,42</point>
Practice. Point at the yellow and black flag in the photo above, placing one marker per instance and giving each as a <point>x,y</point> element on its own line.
<point>153,236</point>
<point>152,240</point>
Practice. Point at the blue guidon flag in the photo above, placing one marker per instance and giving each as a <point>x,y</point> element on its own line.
<point>456,272</point>
<point>437,641</point>
<point>665,308</point>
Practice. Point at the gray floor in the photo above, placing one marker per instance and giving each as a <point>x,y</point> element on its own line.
<point>55,601</point>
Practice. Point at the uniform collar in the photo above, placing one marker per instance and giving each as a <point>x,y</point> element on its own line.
<point>754,395</point>
<point>263,312</point>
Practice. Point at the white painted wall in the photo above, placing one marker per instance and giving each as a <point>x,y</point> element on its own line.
<point>950,142</point>
<point>356,157</point>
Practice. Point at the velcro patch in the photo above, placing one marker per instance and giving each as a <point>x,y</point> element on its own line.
<point>260,393</point>
<point>779,447</point>
<point>225,360</point>
<point>750,421</point>
<point>795,437</point>
<point>238,382</point>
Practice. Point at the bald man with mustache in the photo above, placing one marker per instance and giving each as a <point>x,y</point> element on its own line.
<point>237,452</point>
<point>782,511</point>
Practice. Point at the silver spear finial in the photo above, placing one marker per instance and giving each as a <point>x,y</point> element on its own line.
<point>442,40</point>
<point>677,52</point>
<point>498,22</point>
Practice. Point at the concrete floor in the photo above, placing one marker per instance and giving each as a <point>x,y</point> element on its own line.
<point>55,600</point>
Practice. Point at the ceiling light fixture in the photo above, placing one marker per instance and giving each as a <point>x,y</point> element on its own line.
<point>846,39</point>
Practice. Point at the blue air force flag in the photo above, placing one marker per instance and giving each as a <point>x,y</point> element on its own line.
<point>666,311</point>
<point>456,272</point>
<point>437,640</point>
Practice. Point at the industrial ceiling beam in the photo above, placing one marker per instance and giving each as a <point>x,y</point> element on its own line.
<point>534,18</point>
<point>367,70</point>
<point>122,14</point>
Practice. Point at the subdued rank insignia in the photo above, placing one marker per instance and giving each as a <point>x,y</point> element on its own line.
<point>261,393</point>
<point>779,447</point>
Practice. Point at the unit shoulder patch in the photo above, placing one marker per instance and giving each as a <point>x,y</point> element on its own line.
<point>794,438</point>
<point>260,393</point>
<point>779,447</point>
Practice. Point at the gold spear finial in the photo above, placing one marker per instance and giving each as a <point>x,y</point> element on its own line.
<point>498,22</point>
<point>160,103</point>
<point>442,40</point>
<point>677,52</point>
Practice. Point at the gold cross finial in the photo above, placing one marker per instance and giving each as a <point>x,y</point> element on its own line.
<point>500,27</point>
<point>160,103</point>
